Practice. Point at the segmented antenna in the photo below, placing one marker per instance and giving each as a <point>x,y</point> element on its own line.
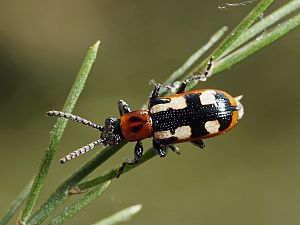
<point>74,118</point>
<point>81,150</point>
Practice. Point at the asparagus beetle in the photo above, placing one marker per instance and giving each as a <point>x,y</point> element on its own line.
<point>183,117</point>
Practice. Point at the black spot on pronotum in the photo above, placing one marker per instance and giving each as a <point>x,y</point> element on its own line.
<point>136,129</point>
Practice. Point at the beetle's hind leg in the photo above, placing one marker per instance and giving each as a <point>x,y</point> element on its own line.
<point>197,77</point>
<point>138,153</point>
<point>161,146</point>
<point>199,143</point>
<point>175,149</point>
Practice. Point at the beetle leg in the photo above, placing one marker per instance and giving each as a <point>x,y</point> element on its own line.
<point>171,88</point>
<point>138,152</point>
<point>160,149</point>
<point>199,143</point>
<point>155,92</point>
<point>197,77</point>
<point>123,107</point>
<point>174,149</point>
<point>154,97</point>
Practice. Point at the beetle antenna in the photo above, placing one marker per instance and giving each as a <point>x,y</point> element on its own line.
<point>81,151</point>
<point>77,119</point>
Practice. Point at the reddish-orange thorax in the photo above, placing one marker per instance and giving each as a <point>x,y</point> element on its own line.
<point>136,125</point>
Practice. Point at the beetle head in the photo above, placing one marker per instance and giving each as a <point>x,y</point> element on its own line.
<point>111,134</point>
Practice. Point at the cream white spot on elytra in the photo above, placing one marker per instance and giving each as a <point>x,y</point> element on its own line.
<point>175,103</point>
<point>163,134</point>
<point>212,126</point>
<point>183,132</point>
<point>208,97</point>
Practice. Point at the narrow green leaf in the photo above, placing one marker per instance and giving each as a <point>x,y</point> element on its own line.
<point>264,24</point>
<point>149,154</point>
<point>190,62</point>
<point>122,216</point>
<point>16,204</point>
<point>236,33</point>
<point>58,130</point>
<point>81,203</point>
<point>258,44</point>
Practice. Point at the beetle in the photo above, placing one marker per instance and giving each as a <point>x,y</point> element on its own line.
<point>182,117</point>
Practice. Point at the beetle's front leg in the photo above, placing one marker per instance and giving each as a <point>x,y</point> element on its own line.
<point>138,153</point>
<point>123,107</point>
<point>197,77</point>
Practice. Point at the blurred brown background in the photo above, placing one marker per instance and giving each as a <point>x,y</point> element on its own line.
<point>248,176</point>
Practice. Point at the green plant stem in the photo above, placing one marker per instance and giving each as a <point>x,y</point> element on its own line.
<point>264,24</point>
<point>81,203</point>
<point>242,27</point>
<point>190,62</point>
<point>61,193</point>
<point>149,154</point>
<point>121,216</point>
<point>258,44</point>
<point>16,204</point>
